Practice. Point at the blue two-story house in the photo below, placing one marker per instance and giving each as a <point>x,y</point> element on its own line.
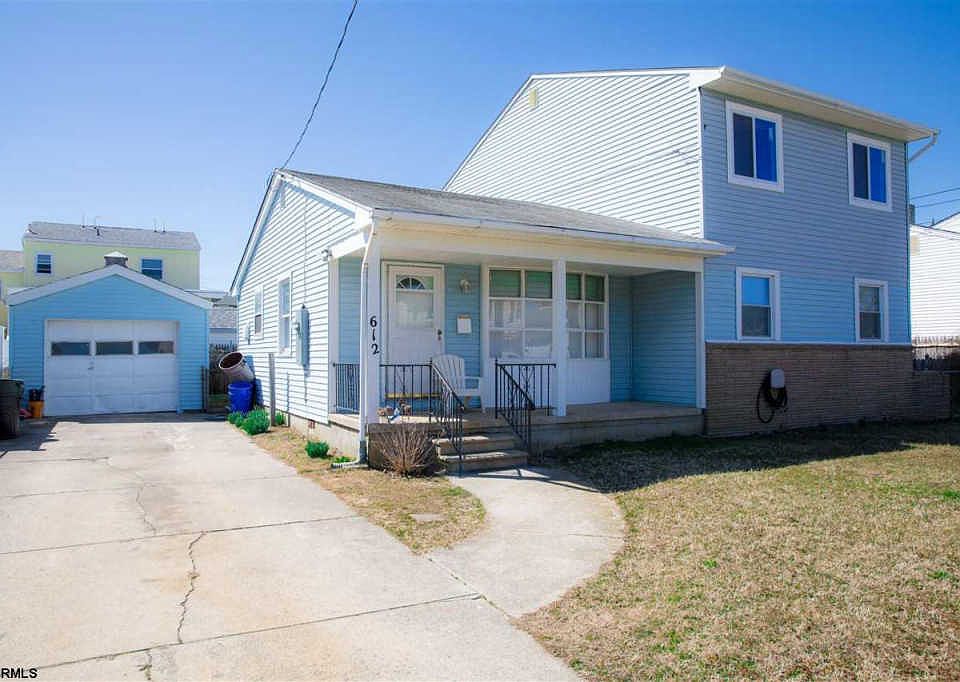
<point>622,254</point>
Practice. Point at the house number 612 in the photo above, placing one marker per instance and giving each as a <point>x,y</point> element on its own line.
<point>374,346</point>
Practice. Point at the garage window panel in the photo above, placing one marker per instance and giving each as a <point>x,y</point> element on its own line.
<point>155,347</point>
<point>114,347</point>
<point>58,348</point>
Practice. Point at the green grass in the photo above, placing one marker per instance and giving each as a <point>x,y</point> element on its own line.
<point>824,554</point>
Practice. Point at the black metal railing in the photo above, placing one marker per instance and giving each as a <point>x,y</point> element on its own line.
<point>346,378</point>
<point>407,389</point>
<point>447,410</point>
<point>514,404</point>
<point>535,378</point>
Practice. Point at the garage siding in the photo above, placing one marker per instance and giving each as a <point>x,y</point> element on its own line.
<point>298,227</point>
<point>110,298</point>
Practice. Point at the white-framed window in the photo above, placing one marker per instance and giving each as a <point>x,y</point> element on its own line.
<point>754,147</point>
<point>521,314</point>
<point>868,172</point>
<point>871,309</point>
<point>586,316</point>
<point>152,267</point>
<point>283,315</point>
<point>43,265</point>
<point>758,304</point>
<point>258,310</point>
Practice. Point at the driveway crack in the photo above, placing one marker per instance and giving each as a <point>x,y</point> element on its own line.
<point>193,575</point>
<point>143,511</point>
<point>147,668</point>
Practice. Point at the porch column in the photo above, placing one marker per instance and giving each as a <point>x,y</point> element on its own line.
<point>371,335</point>
<point>560,337</point>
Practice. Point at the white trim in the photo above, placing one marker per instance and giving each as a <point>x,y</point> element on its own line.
<point>774,276</point>
<point>36,264</point>
<point>884,308</point>
<point>853,138</point>
<point>345,247</point>
<point>333,333</point>
<point>33,293</point>
<point>281,351</point>
<point>701,341</point>
<point>162,270</point>
<point>754,113</point>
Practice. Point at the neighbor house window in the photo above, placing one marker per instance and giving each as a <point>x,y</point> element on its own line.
<point>152,267</point>
<point>758,304</point>
<point>258,310</point>
<point>521,314</point>
<point>871,310</point>
<point>283,315</point>
<point>868,170</point>
<point>44,265</point>
<point>754,147</point>
<point>586,316</point>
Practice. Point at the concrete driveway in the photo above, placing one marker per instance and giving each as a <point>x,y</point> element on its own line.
<point>172,548</point>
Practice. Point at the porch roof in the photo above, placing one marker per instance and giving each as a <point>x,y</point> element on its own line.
<point>411,203</point>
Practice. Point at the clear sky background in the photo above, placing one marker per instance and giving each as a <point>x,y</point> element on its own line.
<point>177,112</point>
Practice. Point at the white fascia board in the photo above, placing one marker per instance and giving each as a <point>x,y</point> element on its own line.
<point>700,248</point>
<point>735,83</point>
<point>353,243</point>
<point>34,293</point>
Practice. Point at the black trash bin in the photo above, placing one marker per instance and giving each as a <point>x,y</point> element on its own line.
<point>11,392</point>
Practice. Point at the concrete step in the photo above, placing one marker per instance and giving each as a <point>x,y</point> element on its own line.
<point>486,461</point>
<point>481,442</point>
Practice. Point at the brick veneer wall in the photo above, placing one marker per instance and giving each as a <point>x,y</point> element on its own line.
<point>826,384</point>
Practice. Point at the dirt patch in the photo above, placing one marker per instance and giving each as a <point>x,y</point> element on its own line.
<point>826,554</point>
<point>422,512</point>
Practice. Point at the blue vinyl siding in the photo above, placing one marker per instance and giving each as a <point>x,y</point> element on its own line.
<point>621,338</point>
<point>809,232</point>
<point>457,303</point>
<point>110,298</point>
<point>348,300</point>
<point>665,338</point>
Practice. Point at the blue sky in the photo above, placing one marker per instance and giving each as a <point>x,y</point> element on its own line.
<point>177,112</point>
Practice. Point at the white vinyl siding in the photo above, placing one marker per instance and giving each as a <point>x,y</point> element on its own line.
<point>934,282</point>
<point>298,227</point>
<point>622,146</point>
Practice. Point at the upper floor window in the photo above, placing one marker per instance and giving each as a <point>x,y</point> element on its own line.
<point>758,304</point>
<point>283,315</point>
<point>44,264</point>
<point>868,170</point>
<point>871,310</point>
<point>258,310</point>
<point>754,147</point>
<point>152,267</point>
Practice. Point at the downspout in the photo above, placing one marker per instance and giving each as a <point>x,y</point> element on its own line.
<point>364,362</point>
<point>925,148</point>
<point>916,155</point>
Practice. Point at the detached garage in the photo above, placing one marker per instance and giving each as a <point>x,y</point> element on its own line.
<point>110,341</point>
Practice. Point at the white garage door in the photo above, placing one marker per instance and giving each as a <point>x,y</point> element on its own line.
<point>108,366</point>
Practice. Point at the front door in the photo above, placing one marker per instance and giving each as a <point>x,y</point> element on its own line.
<point>414,314</point>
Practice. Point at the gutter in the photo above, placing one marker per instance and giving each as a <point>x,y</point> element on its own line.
<point>701,248</point>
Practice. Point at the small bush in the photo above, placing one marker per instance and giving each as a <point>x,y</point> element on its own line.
<point>256,421</point>
<point>278,419</point>
<point>341,459</point>
<point>405,449</point>
<point>235,418</point>
<point>317,449</point>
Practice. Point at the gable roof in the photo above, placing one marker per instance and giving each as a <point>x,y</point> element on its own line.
<point>111,236</point>
<point>379,196</point>
<point>34,293</point>
<point>729,81</point>
<point>951,223</point>
<point>11,261</point>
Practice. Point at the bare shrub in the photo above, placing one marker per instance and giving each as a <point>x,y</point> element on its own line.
<point>404,448</point>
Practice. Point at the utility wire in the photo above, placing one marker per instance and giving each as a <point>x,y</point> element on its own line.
<point>323,86</point>
<point>938,203</point>
<point>932,194</point>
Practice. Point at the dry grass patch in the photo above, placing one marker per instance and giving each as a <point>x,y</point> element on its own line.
<point>390,501</point>
<point>830,554</point>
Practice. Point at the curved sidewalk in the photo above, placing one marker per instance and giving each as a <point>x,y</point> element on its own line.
<point>546,532</point>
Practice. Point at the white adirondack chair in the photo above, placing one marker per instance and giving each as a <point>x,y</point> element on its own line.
<point>452,369</point>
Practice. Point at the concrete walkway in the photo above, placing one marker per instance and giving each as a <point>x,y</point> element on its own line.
<point>171,548</point>
<point>546,532</point>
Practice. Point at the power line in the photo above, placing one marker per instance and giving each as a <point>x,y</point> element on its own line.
<point>938,203</point>
<point>323,86</point>
<point>932,194</point>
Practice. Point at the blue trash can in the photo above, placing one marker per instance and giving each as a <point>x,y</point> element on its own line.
<point>240,395</point>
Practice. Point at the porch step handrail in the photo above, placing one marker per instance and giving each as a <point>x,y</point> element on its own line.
<point>535,378</point>
<point>514,404</point>
<point>447,410</point>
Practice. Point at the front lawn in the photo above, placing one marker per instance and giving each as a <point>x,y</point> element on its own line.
<point>820,554</point>
<point>423,512</point>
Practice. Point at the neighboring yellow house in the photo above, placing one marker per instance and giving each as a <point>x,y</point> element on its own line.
<point>53,251</point>
<point>11,277</point>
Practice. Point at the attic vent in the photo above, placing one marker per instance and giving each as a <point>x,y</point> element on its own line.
<point>115,258</point>
<point>533,98</point>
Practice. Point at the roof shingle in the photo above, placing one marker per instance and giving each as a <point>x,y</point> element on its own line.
<point>112,236</point>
